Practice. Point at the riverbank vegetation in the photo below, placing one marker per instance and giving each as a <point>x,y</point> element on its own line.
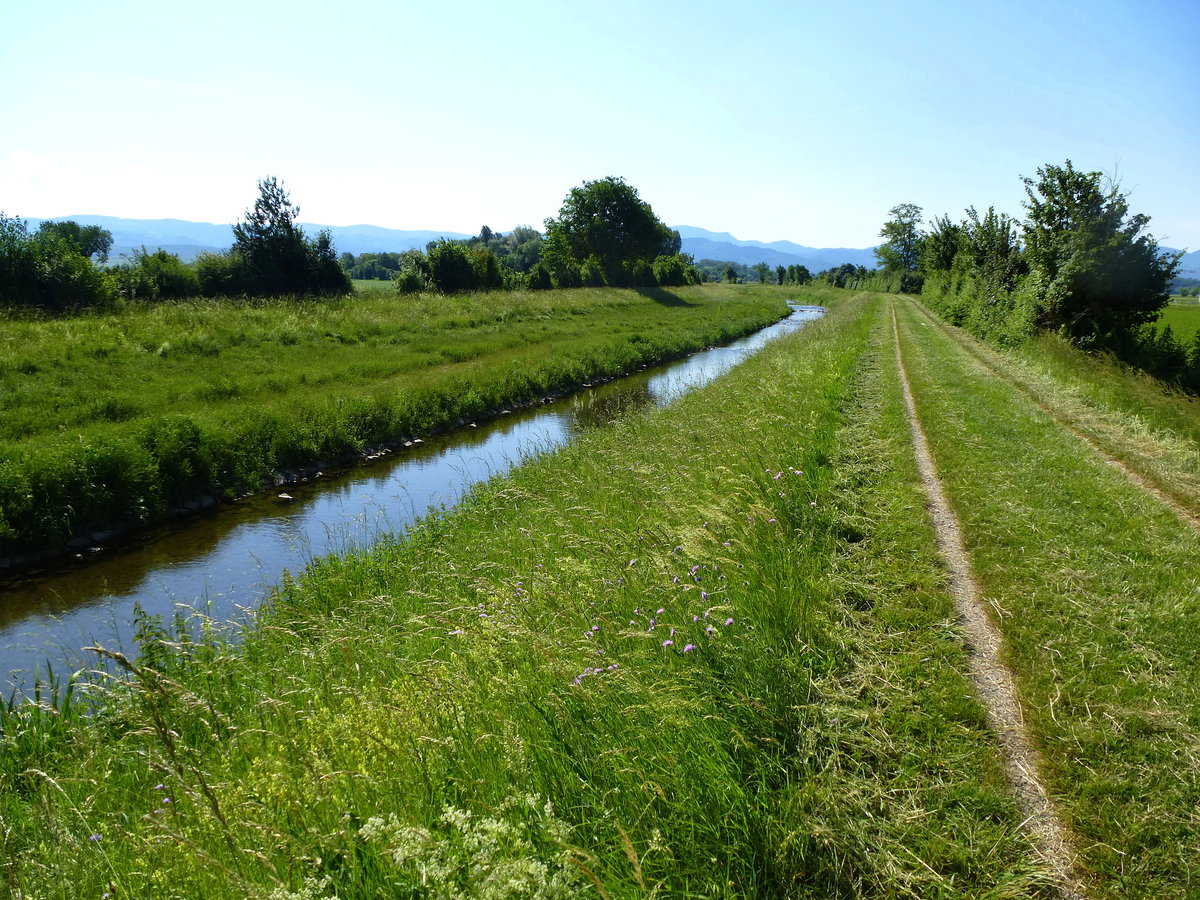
<point>116,419</point>
<point>702,653</point>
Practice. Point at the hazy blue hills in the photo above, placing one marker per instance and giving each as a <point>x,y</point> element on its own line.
<point>722,245</point>
<point>189,239</point>
<point>1189,266</point>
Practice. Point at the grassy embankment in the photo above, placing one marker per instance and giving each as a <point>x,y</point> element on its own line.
<point>121,418</point>
<point>702,653</point>
<point>1095,585</point>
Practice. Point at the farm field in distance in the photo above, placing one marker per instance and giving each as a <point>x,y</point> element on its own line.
<point>1183,315</point>
<point>707,652</point>
<point>118,418</point>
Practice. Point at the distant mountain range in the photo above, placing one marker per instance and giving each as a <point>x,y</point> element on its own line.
<point>189,239</point>
<point>721,245</point>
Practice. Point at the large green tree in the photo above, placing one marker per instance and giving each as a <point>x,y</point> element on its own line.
<point>49,270</point>
<point>86,240</point>
<point>902,250</point>
<point>1100,275</point>
<point>607,221</point>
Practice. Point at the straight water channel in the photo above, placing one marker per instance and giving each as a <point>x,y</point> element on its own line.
<point>224,564</point>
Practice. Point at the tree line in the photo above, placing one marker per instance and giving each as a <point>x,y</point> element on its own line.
<point>741,273</point>
<point>604,235</point>
<point>60,267</point>
<point>1078,264</point>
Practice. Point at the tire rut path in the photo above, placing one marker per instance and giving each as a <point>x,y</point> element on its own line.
<point>1144,482</point>
<point>993,680</point>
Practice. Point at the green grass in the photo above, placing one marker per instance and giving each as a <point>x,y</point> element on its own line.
<point>1183,315</point>
<point>118,418</point>
<point>1095,586</point>
<point>704,653</point>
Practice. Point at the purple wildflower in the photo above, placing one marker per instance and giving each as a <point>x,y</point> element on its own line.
<point>595,628</point>
<point>689,648</point>
<point>668,643</point>
<point>704,595</point>
<point>728,622</point>
<point>94,837</point>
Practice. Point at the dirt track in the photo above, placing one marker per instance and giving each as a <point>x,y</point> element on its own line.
<point>992,678</point>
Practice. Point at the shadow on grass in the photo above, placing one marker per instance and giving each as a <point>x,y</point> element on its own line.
<point>663,296</point>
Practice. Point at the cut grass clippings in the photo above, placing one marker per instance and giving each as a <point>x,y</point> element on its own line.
<point>705,653</point>
<point>1127,415</point>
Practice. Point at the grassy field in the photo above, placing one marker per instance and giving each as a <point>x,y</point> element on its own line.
<point>119,418</point>
<point>1183,315</point>
<point>702,654</point>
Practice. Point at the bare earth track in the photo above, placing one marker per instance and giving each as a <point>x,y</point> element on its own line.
<point>992,678</point>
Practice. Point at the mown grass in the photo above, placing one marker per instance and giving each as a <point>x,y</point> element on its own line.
<point>1151,429</point>
<point>1095,586</point>
<point>704,653</point>
<point>120,418</point>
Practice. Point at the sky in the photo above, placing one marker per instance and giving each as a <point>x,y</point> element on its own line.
<point>770,120</point>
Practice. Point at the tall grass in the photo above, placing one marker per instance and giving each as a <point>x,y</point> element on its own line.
<point>700,654</point>
<point>118,419</point>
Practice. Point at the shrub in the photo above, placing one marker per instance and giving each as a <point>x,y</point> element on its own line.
<point>450,268</point>
<point>156,276</point>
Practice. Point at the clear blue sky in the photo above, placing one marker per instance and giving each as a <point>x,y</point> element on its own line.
<point>771,120</point>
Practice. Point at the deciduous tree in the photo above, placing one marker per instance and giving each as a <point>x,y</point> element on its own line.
<point>901,252</point>
<point>1100,274</point>
<point>606,219</point>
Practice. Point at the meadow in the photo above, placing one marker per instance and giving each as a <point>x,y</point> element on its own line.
<point>111,420</point>
<point>1092,580</point>
<point>706,652</point>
